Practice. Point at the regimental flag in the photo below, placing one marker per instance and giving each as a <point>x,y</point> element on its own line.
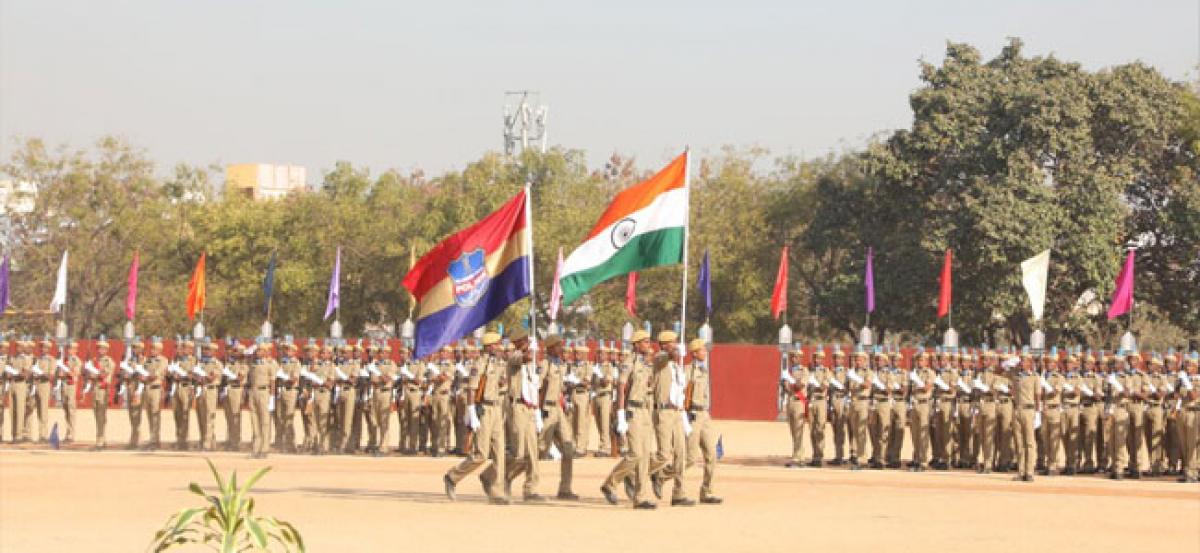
<point>335,286</point>
<point>946,292</point>
<point>704,282</point>
<point>1122,300</point>
<point>60,287</point>
<point>870,280</point>
<point>556,288</point>
<point>269,285</point>
<point>779,293</point>
<point>472,276</point>
<point>643,227</point>
<point>196,289</point>
<point>1035,273</point>
<point>4,285</point>
<point>131,288</point>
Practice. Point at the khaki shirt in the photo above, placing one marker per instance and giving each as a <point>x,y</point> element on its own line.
<point>552,372</point>
<point>262,373</point>
<point>490,371</point>
<point>609,373</point>
<point>865,389</point>
<point>157,367</point>
<point>799,373</point>
<point>821,375</point>
<point>927,377</point>
<point>1024,389</point>
<point>48,367</point>
<point>637,383</point>
<point>664,370</point>
<point>1054,398</point>
<point>698,378</point>
<point>74,365</point>
<point>291,367</point>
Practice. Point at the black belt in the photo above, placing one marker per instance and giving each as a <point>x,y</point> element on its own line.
<point>603,393</point>
<point>988,400</point>
<point>551,403</point>
<point>443,392</point>
<point>1088,403</point>
<point>696,407</point>
<point>488,402</point>
<point>1195,408</point>
<point>236,386</point>
<point>210,386</point>
<point>286,388</point>
<point>1052,406</point>
<point>1027,406</point>
<point>1004,400</point>
<point>155,387</point>
<point>817,398</point>
<point>261,387</point>
<point>921,401</point>
<point>1153,404</point>
<point>667,406</point>
<point>323,390</point>
<point>636,404</point>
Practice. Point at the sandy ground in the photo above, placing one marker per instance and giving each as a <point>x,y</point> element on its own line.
<point>75,500</point>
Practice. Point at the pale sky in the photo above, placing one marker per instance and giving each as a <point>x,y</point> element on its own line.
<point>393,84</point>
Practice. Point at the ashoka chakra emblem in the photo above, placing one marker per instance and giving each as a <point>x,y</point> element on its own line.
<point>622,232</point>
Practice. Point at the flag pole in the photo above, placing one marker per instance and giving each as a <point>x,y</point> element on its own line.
<point>529,247</point>
<point>687,194</point>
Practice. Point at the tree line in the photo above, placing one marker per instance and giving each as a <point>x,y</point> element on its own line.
<point>1004,158</point>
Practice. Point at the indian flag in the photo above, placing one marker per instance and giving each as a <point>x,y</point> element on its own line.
<point>645,226</point>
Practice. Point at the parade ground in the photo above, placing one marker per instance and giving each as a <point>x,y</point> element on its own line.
<point>77,500</point>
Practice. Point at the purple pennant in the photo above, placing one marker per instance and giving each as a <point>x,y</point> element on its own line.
<point>870,278</point>
<point>4,285</point>
<point>335,286</point>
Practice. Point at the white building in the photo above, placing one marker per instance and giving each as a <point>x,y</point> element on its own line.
<point>265,181</point>
<point>17,196</point>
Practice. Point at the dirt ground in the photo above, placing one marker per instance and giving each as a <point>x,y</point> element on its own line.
<point>75,500</point>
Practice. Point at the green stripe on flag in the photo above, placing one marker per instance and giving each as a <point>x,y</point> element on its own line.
<point>652,249</point>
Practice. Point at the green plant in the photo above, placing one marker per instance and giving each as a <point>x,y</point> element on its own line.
<point>228,523</point>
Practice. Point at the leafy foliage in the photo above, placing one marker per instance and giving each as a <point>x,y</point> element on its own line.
<point>227,522</point>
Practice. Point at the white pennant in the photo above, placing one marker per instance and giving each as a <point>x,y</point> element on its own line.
<point>60,290</point>
<point>1035,272</point>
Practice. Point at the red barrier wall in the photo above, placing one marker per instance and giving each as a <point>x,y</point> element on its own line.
<point>745,379</point>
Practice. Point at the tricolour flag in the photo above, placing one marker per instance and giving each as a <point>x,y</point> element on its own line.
<point>472,276</point>
<point>643,227</point>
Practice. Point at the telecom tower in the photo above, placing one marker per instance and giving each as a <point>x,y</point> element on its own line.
<point>525,123</point>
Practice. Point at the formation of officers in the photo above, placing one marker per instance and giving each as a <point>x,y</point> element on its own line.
<point>1126,414</point>
<point>490,403</point>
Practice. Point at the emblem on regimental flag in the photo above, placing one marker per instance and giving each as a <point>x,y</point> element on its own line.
<point>470,277</point>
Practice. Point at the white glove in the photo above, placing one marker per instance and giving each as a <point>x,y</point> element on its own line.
<point>537,419</point>
<point>622,424</point>
<point>1037,420</point>
<point>472,419</point>
<point>687,424</point>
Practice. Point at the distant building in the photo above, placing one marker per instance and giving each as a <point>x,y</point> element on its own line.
<point>17,196</point>
<point>265,181</point>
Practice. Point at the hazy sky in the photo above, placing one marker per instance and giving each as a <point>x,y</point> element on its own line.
<point>393,84</point>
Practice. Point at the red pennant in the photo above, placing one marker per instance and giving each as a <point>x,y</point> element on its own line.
<point>945,294</point>
<point>779,296</point>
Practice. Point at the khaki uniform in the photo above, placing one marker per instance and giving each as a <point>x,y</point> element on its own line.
<point>488,382</point>
<point>818,410</point>
<point>235,392</point>
<point>943,417</point>
<point>287,393</point>
<point>1004,422</point>
<point>556,427</point>
<point>69,381</point>
<point>1154,427</point>
<point>152,401</point>
<point>581,405</point>
<point>40,403</point>
<point>1071,438</point>
<point>860,412</point>
<point>135,391</point>
<point>671,459</point>
<point>919,416</point>
<point>702,442</point>
<point>344,406</point>
<point>323,407</point>
<point>206,403</point>
<point>797,410</point>
<point>183,393</point>
<point>101,388</point>
<point>1024,389</point>
<point>1118,439</point>
<point>379,414</point>
<point>839,412</point>
<point>523,379</point>
<point>881,416</point>
<point>1090,407</point>
<point>602,406</point>
<point>1052,420</point>
<point>442,413</point>
<point>1189,424</point>
<point>19,394</point>
<point>262,374</point>
<point>1135,437</point>
<point>985,424</point>
<point>640,439</point>
<point>413,400</point>
<point>898,381</point>
<point>966,408</point>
